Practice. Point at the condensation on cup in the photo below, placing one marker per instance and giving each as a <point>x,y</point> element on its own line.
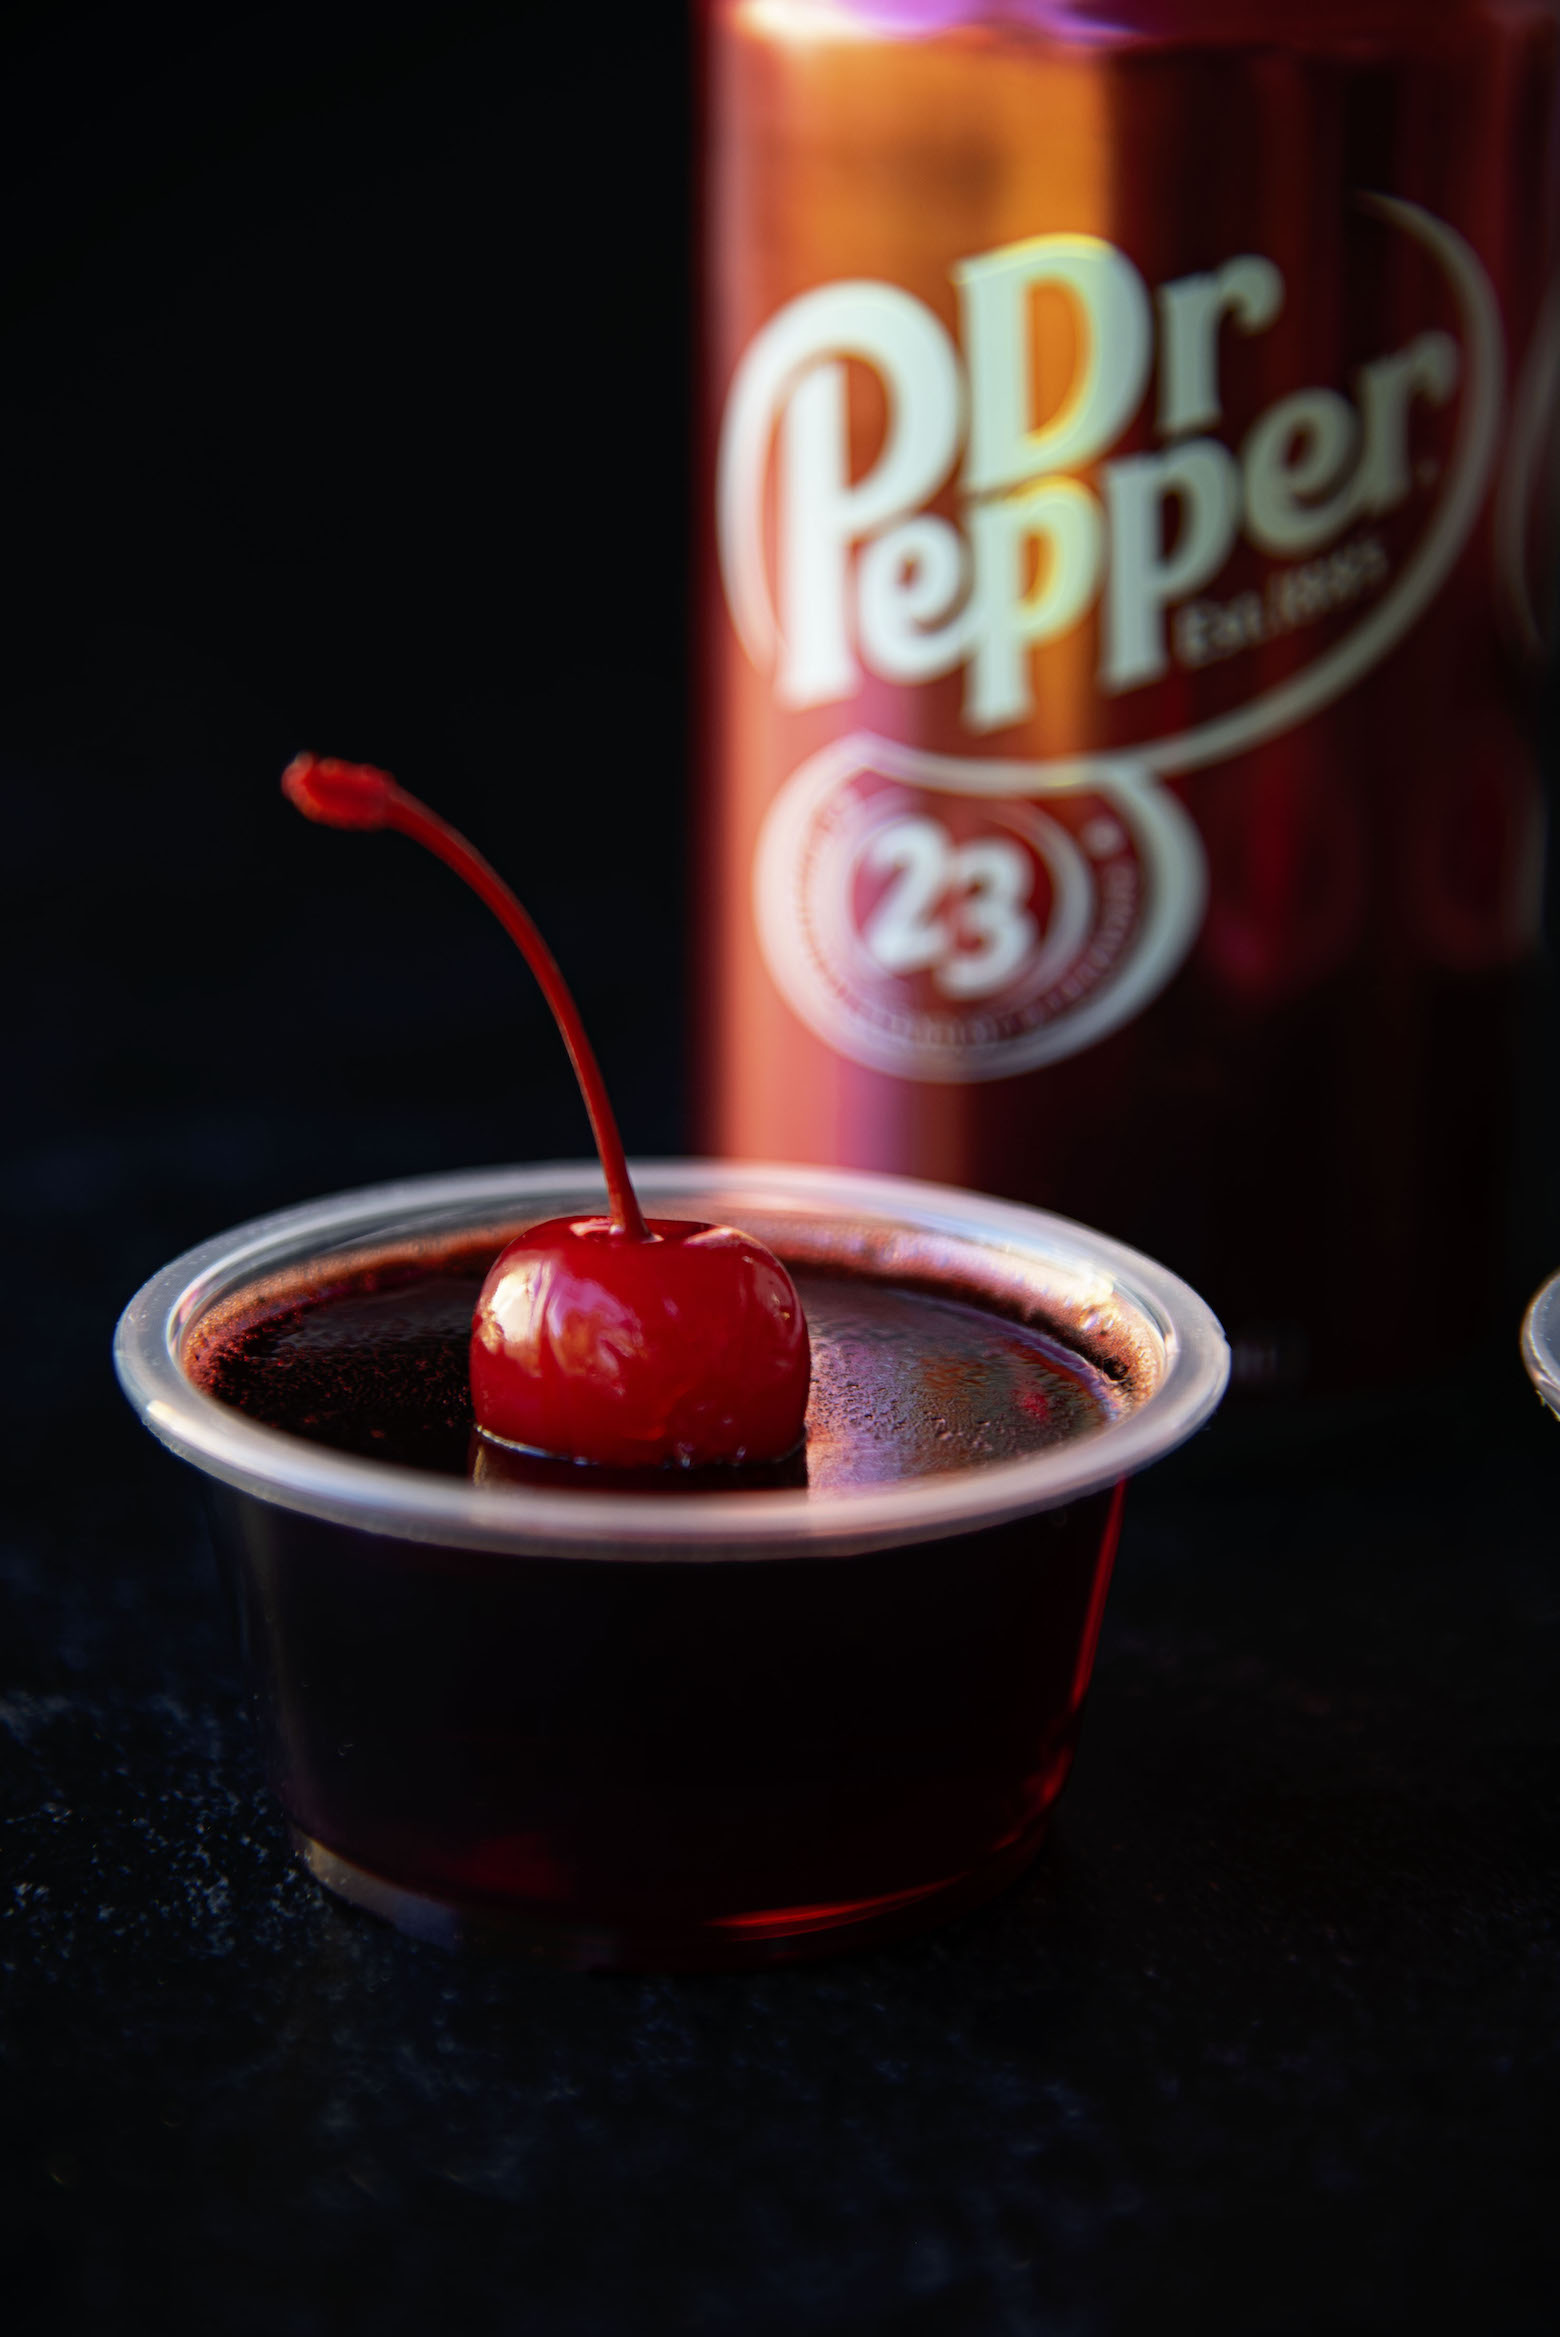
<point>1126,447</point>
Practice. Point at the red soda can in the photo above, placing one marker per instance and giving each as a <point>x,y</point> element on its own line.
<point>1124,438</point>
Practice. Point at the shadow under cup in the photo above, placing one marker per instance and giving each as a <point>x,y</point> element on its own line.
<point>676,1728</point>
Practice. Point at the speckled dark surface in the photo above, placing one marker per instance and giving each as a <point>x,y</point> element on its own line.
<point>1268,2040</point>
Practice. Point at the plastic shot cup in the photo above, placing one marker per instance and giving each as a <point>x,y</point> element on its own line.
<point>674,1726</point>
<point>1541,1342</point>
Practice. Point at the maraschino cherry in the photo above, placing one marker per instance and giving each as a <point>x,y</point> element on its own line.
<point>616,1340</point>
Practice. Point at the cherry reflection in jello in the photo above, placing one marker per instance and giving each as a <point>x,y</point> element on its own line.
<point>605,1340</point>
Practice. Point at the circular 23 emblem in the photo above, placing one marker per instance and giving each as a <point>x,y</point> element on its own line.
<point>940,919</point>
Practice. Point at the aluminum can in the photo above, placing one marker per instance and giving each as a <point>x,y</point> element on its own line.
<point>1125,459</point>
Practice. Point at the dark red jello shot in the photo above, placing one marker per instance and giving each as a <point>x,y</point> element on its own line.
<point>685,1717</point>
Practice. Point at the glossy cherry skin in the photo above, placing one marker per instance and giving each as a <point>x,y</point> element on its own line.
<point>687,1348</point>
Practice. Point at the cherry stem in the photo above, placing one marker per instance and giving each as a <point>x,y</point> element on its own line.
<point>354,795</point>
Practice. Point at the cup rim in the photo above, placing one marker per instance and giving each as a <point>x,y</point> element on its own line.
<point>1541,1341</point>
<point>407,1504</point>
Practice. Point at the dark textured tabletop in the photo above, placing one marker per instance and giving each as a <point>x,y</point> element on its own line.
<point>1266,2040</point>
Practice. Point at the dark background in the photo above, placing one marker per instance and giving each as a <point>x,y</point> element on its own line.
<point>343,399</point>
<point>343,368</point>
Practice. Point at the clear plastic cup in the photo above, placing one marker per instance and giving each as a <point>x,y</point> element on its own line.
<point>673,1728</point>
<point>1541,1342</point>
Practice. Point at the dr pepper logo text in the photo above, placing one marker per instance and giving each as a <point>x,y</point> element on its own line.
<point>985,538</point>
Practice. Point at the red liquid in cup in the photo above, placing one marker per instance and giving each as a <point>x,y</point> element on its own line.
<point>690,1760</point>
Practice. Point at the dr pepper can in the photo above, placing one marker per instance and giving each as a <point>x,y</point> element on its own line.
<point>1125,446</point>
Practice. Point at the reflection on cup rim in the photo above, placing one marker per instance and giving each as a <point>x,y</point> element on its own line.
<point>1541,1342</point>
<point>1089,1279</point>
